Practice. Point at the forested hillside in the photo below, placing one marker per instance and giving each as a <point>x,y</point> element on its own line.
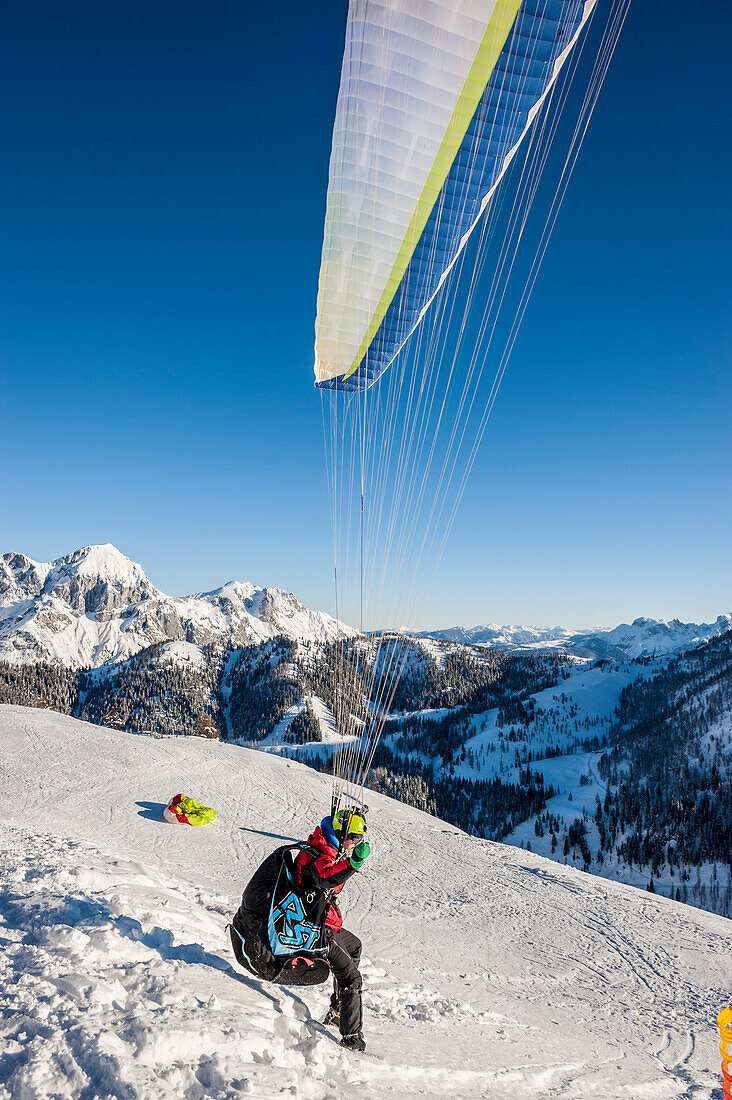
<point>668,806</point>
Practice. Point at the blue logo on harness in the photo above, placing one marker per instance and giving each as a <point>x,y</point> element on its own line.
<point>296,931</point>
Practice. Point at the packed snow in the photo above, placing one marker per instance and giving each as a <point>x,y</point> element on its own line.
<point>489,971</point>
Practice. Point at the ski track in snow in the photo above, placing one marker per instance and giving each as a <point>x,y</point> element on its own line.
<point>489,972</point>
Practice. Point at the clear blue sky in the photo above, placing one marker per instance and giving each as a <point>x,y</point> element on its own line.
<point>161,209</point>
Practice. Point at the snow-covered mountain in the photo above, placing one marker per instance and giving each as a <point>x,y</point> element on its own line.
<point>96,605</point>
<point>489,972</point>
<point>504,637</point>
<point>641,638</point>
<point>655,637</point>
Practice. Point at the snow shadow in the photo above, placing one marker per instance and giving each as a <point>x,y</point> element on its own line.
<point>153,811</point>
<point>10,1062</point>
<point>274,836</point>
<point>161,940</point>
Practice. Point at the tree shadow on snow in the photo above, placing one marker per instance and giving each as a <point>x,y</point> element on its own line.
<point>153,811</point>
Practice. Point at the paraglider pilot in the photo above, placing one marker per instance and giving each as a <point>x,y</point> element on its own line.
<point>288,928</point>
<point>336,849</point>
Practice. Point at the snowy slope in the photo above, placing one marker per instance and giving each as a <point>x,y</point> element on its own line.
<point>490,972</point>
<point>96,606</point>
<point>581,705</point>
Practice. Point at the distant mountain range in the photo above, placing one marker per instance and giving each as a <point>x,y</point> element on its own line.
<point>97,606</point>
<point>641,638</point>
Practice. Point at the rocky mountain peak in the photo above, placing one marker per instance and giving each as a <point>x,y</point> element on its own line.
<point>97,580</point>
<point>21,575</point>
<point>96,605</point>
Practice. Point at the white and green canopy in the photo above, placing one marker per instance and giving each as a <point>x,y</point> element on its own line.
<point>435,98</point>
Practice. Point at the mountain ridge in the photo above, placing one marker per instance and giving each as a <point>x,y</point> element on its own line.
<point>96,606</point>
<point>642,638</point>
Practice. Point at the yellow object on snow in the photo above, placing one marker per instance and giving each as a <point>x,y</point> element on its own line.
<point>186,811</point>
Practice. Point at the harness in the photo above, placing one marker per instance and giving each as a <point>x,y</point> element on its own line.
<point>296,921</point>
<point>278,932</point>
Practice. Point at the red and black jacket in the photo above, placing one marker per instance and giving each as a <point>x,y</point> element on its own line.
<point>322,868</point>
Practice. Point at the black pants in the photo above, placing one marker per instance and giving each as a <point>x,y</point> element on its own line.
<point>344,955</point>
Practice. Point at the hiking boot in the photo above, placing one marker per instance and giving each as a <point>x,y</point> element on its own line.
<point>332,1016</point>
<point>355,1041</point>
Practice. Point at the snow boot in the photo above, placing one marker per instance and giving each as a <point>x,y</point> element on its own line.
<point>333,1015</point>
<point>355,1041</point>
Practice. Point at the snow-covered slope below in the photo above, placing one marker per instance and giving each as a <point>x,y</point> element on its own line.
<point>641,638</point>
<point>489,972</point>
<point>95,606</point>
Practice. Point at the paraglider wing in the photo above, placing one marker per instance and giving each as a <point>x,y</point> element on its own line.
<point>434,101</point>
